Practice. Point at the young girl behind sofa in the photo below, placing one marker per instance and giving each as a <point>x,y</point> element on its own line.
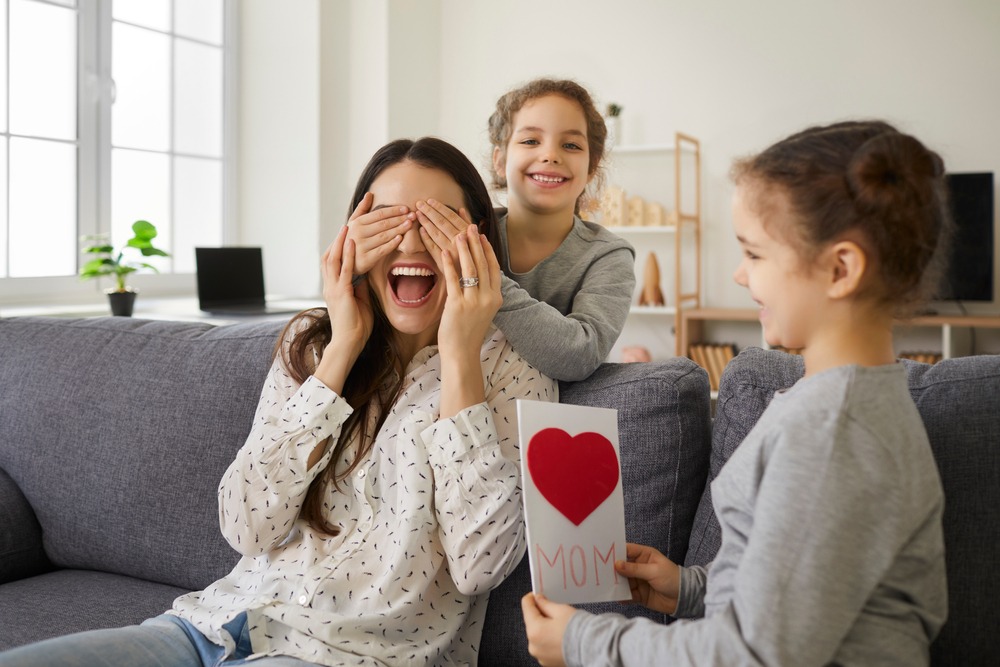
<point>376,501</point>
<point>832,549</point>
<point>568,283</point>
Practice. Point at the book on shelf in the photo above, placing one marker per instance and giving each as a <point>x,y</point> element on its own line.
<point>923,357</point>
<point>713,357</point>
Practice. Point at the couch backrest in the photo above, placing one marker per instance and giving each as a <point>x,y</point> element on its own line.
<point>118,430</point>
<point>664,433</point>
<point>959,402</point>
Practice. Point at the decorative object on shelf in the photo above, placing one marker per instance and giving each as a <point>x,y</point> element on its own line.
<point>632,354</point>
<point>636,211</point>
<point>107,262</point>
<point>613,121</point>
<point>654,215</point>
<point>613,206</point>
<point>651,294</point>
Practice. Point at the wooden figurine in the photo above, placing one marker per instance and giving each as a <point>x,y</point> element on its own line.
<point>651,294</point>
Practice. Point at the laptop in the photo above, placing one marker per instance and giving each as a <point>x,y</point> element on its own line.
<point>231,282</point>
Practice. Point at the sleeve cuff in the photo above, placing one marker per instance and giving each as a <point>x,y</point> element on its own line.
<point>450,439</point>
<point>575,630</point>
<point>691,596</point>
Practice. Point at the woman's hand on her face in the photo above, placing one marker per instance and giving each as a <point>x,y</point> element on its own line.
<point>439,225</point>
<point>351,315</point>
<point>376,233</point>
<point>468,311</point>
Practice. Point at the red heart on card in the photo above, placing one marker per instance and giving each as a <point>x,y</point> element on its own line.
<point>574,473</point>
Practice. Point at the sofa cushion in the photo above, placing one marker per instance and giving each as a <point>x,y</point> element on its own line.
<point>664,438</point>
<point>21,552</point>
<point>119,433</point>
<point>75,601</point>
<point>747,386</point>
<point>958,402</point>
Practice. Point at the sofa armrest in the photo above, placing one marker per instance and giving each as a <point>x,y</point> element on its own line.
<point>21,551</point>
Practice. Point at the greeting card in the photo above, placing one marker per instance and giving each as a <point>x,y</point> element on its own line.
<point>573,503</point>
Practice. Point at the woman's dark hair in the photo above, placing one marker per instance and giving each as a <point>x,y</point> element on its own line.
<point>870,179</point>
<point>501,126</point>
<point>376,378</point>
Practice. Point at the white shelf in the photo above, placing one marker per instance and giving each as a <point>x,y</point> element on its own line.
<point>633,149</point>
<point>661,229</point>
<point>653,310</point>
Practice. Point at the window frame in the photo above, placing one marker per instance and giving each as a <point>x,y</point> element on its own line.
<point>94,101</point>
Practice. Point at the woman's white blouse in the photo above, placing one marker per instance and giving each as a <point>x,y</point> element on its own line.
<point>429,522</point>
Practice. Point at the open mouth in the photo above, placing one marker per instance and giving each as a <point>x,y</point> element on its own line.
<point>411,285</point>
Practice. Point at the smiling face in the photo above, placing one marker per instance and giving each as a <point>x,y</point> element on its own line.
<point>407,282</point>
<point>791,295</point>
<point>547,159</point>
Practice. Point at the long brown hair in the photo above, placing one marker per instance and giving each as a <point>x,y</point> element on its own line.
<point>501,126</point>
<point>375,381</point>
<point>865,177</point>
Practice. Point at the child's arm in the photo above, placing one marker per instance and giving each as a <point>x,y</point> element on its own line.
<point>825,533</point>
<point>570,347</point>
<point>591,280</point>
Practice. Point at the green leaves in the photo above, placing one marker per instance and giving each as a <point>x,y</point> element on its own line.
<point>106,263</point>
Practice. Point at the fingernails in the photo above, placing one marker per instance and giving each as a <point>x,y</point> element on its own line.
<point>403,209</point>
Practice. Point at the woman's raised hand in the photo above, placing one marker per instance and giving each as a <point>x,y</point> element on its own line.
<point>351,315</point>
<point>376,233</point>
<point>473,292</point>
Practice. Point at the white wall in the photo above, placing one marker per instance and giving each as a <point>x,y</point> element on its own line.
<point>736,75</point>
<point>279,140</point>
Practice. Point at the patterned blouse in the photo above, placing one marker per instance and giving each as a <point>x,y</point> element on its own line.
<point>429,522</point>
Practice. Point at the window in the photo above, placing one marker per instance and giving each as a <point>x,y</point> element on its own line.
<point>111,111</point>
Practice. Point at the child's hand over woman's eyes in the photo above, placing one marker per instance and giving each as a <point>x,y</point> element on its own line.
<point>376,233</point>
<point>469,310</point>
<point>439,225</point>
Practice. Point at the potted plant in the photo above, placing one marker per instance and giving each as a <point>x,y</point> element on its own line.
<point>613,121</point>
<point>107,262</point>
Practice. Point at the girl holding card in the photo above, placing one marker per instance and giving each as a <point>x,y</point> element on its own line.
<point>832,548</point>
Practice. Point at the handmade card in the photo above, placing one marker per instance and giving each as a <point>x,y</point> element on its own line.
<point>573,503</point>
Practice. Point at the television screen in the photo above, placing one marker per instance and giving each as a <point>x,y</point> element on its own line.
<point>969,275</point>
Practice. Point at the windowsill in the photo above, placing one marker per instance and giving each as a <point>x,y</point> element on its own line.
<point>158,308</point>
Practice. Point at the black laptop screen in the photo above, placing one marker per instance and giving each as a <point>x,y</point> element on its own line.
<point>229,276</point>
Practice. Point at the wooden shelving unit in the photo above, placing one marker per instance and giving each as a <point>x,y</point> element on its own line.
<point>692,323</point>
<point>683,219</point>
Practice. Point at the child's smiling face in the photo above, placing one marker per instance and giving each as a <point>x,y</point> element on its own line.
<point>547,157</point>
<point>791,295</point>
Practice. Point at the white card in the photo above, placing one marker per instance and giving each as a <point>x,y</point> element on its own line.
<point>574,508</point>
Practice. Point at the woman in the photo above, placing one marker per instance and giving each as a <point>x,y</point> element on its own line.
<point>377,498</point>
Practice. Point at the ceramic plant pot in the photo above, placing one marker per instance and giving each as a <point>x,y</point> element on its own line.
<point>122,302</point>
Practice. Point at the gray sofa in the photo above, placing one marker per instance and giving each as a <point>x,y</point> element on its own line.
<point>114,433</point>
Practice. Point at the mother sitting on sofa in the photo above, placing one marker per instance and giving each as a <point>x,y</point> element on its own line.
<point>377,498</point>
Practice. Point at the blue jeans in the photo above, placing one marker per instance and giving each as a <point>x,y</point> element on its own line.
<point>163,641</point>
